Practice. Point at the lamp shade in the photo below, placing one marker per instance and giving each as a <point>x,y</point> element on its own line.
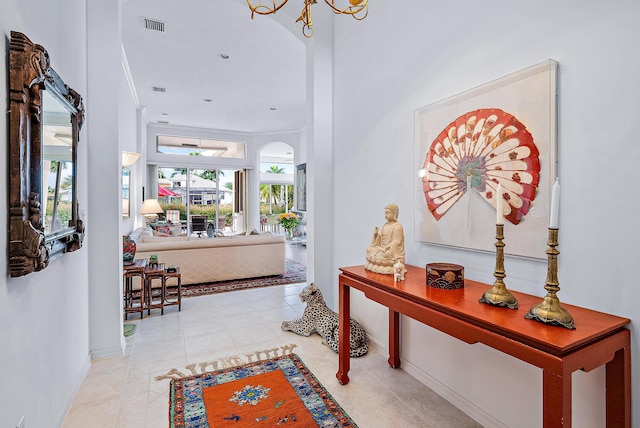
<point>150,206</point>
<point>129,158</point>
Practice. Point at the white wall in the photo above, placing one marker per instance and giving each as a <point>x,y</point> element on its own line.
<point>401,58</point>
<point>44,336</point>
<point>128,141</point>
<point>320,153</point>
<point>105,75</point>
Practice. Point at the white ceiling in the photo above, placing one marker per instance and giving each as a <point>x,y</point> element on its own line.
<point>266,68</point>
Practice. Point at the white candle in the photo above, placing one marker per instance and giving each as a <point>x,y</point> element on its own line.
<point>555,206</point>
<point>499,203</point>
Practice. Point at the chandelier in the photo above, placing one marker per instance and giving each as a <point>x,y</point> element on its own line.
<point>357,8</point>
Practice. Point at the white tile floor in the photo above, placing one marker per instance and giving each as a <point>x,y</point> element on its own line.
<point>122,391</point>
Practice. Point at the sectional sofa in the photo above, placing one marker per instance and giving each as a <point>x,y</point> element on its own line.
<point>215,259</point>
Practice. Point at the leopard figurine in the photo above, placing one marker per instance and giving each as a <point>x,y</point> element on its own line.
<point>317,317</point>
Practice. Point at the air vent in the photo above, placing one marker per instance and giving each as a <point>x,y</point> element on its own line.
<point>154,24</point>
<point>189,145</point>
<point>164,122</point>
<point>159,89</point>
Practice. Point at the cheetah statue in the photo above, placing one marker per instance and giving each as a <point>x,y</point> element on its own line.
<point>317,317</point>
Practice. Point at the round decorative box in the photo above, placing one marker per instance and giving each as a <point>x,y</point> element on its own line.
<point>445,275</point>
<point>128,250</point>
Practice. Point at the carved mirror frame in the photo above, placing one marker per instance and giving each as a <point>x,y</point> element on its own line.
<point>30,72</point>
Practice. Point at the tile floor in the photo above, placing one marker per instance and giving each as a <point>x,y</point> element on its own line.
<point>122,392</point>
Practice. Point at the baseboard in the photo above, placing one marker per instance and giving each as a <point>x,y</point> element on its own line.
<point>475,412</point>
<point>82,374</point>
<point>116,351</point>
<point>479,415</point>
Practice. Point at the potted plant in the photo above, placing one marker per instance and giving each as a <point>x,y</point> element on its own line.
<point>289,221</point>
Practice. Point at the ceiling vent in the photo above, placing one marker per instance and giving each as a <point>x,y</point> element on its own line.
<point>154,24</point>
<point>163,122</point>
<point>159,89</point>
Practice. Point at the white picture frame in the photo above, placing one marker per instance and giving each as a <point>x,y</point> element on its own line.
<point>530,96</point>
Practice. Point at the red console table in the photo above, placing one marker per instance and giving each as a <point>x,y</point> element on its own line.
<point>598,339</point>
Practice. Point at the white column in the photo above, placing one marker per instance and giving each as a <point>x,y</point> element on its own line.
<point>104,46</point>
<point>320,200</point>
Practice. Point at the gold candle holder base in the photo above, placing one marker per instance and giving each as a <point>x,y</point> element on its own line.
<point>498,295</point>
<point>550,311</point>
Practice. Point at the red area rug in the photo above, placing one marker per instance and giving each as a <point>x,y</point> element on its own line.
<point>294,273</point>
<point>276,392</point>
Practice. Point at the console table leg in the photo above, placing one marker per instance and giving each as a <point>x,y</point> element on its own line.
<point>344,333</point>
<point>618,382</point>
<point>556,398</point>
<point>394,339</point>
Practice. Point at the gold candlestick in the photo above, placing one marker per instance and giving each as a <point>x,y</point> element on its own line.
<point>498,295</point>
<point>549,311</point>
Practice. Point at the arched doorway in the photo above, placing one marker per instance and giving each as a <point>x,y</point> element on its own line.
<point>276,178</point>
<point>277,197</point>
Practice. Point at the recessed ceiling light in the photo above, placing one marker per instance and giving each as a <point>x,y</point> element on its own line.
<point>207,100</point>
<point>224,56</point>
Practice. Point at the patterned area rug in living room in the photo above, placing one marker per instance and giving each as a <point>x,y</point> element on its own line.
<point>278,391</point>
<point>294,273</point>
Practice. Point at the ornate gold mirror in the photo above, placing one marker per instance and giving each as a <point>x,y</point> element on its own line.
<point>45,117</point>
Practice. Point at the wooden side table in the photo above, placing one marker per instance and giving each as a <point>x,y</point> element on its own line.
<point>173,292</point>
<point>599,338</point>
<point>154,296</point>
<point>136,270</point>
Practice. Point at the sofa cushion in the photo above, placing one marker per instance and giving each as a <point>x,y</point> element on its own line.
<point>162,238</point>
<point>136,235</point>
<point>163,228</point>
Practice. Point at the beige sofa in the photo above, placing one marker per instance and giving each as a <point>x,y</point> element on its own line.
<point>215,259</point>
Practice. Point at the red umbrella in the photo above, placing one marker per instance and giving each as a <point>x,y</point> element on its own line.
<point>163,191</point>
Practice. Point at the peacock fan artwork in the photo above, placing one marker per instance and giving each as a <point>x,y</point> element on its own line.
<point>478,151</point>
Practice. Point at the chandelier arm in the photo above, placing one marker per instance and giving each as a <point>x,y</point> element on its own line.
<point>360,18</point>
<point>258,8</point>
<point>308,23</point>
<point>349,10</point>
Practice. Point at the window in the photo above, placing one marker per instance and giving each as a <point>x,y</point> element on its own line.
<point>218,194</point>
<point>199,147</point>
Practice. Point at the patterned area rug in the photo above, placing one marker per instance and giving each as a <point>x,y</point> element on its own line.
<point>294,272</point>
<point>279,391</point>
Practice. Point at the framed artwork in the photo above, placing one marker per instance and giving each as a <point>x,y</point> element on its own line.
<point>301,187</point>
<point>494,141</point>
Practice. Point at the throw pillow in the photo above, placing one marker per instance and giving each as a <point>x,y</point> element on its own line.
<point>166,229</point>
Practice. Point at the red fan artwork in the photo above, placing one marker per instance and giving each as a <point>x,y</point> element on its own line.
<point>483,148</point>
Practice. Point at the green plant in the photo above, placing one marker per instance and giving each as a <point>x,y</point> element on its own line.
<point>288,220</point>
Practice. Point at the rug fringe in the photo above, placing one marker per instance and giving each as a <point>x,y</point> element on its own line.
<point>226,362</point>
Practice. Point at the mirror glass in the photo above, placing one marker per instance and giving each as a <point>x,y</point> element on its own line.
<point>57,164</point>
<point>125,193</point>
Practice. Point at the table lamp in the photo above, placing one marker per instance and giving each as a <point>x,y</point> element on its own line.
<point>150,210</point>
